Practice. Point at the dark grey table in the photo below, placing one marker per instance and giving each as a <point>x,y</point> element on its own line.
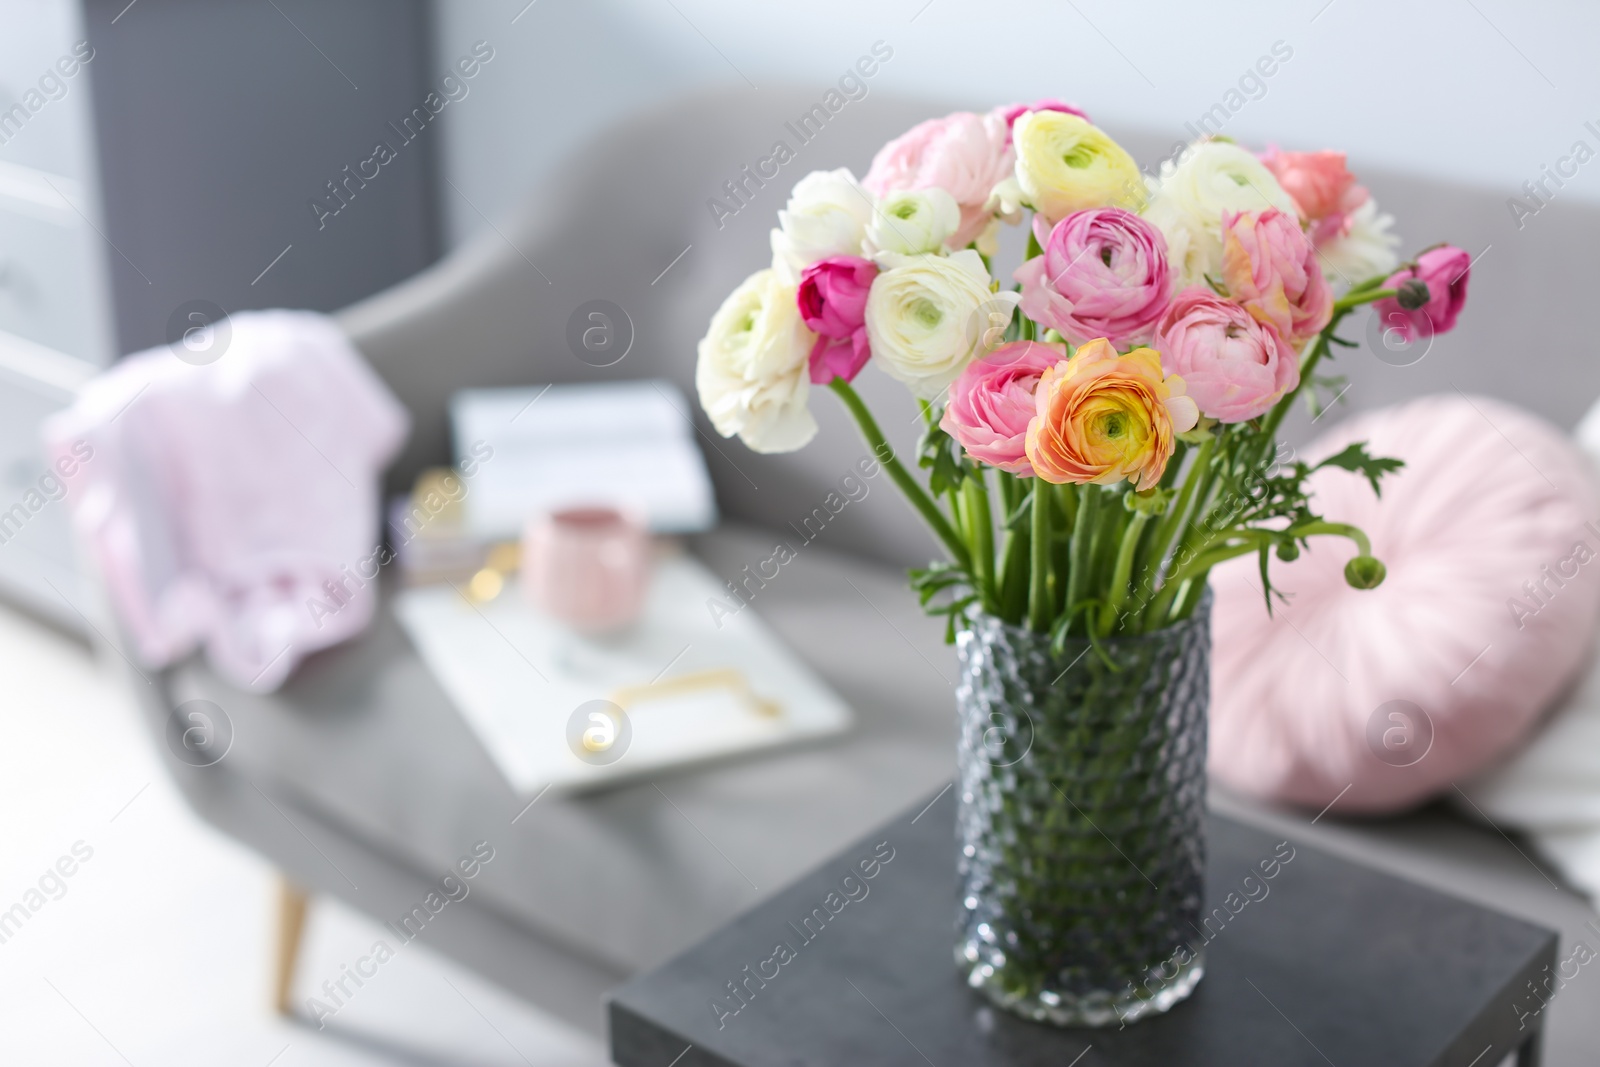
<point>1336,964</point>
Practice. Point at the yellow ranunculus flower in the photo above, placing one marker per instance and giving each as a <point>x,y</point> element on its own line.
<point>1066,164</point>
<point>1103,417</point>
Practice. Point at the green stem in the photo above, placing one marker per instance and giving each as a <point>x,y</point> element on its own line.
<point>1172,521</point>
<point>1365,293</point>
<point>1014,577</point>
<point>1189,532</point>
<point>908,485</point>
<point>1039,580</point>
<point>1068,493</point>
<point>1337,529</point>
<point>980,533</point>
<point>1121,572</point>
<point>1082,538</point>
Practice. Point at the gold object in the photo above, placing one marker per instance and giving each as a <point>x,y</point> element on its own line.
<point>489,581</point>
<point>724,678</point>
<point>292,901</point>
<point>485,585</point>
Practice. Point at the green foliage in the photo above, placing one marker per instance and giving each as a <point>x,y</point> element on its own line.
<point>942,458</point>
<point>1356,458</point>
<point>942,588</point>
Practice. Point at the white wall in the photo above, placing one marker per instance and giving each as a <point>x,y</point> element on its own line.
<point>1476,91</point>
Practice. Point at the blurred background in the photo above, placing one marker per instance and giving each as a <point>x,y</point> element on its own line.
<point>198,156</point>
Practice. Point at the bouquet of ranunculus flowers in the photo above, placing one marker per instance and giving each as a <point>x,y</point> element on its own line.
<point>1103,432</point>
<point>1099,435</point>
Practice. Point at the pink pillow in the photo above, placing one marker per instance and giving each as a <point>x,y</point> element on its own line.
<point>1387,696</point>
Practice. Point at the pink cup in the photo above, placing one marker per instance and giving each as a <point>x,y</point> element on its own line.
<point>587,566</point>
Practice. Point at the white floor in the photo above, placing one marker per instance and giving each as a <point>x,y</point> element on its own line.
<point>155,951</point>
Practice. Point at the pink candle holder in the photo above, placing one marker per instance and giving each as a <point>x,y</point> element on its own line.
<point>587,566</point>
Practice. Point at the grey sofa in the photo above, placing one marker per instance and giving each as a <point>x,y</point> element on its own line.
<point>374,782</point>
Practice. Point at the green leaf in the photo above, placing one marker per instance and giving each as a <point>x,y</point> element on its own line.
<point>1266,582</point>
<point>939,454</point>
<point>1356,459</point>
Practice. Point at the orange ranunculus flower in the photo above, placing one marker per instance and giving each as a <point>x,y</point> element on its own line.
<point>1103,417</point>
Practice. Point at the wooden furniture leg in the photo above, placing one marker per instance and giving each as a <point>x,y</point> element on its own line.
<point>292,902</point>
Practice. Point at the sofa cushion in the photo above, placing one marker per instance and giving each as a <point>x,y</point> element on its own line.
<point>1383,697</point>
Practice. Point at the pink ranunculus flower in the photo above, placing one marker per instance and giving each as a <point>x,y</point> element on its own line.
<point>1271,268</point>
<point>1235,367</point>
<point>1103,273</point>
<point>1012,112</point>
<point>964,154</point>
<point>992,401</point>
<point>1321,184</point>
<point>833,303</point>
<point>1445,271</point>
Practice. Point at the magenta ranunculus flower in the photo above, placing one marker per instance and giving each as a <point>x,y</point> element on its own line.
<point>1103,273</point>
<point>992,402</point>
<point>1444,270</point>
<point>1234,366</point>
<point>833,303</point>
<point>1270,267</point>
<point>1012,112</point>
<point>964,154</point>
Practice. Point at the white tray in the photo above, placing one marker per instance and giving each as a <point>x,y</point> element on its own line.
<point>517,676</point>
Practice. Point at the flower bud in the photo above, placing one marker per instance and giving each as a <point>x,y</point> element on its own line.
<point>1151,502</point>
<point>1365,572</point>
<point>1288,551</point>
<point>1413,294</point>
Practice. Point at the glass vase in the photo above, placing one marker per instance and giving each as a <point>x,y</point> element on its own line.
<point>1080,823</point>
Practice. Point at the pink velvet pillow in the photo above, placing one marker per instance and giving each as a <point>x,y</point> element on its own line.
<point>1492,543</point>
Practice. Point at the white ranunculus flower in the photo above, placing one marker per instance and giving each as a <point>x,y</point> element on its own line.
<point>913,221</point>
<point>753,373</point>
<point>1189,198</point>
<point>827,215</point>
<point>928,316</point>
<point>1365,248</point>
<point>1007,200</point>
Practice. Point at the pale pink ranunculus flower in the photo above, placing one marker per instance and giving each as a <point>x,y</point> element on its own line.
<point>964,154</point>
<point>1271,268</point>
<point>1321,184</point>
<point>1235,367</point>
<point>992,401</point>
<point>1103,273</point>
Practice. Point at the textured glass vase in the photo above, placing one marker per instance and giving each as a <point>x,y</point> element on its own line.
<point>1080,825</point>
